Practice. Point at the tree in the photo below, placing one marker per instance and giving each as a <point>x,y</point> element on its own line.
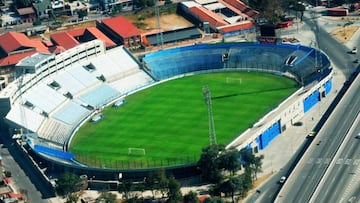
<point>22,3</point>
<point>229,160</point>
<point>230,186</point>
<point>150,183</point>
<point>66,186</point>
<point>257,165</point>
<point>174,193</point>
<point>214,200</point>
<point>191,197</point>
<point>209,163</point>
<point>82,13</point>
<point>106,197</point>
<point>163,182</point>
<point>125,188</point>
<point>167,2</point>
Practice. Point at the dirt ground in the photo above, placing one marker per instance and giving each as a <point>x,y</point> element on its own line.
<point>169,22</point>
<point>344,34</point>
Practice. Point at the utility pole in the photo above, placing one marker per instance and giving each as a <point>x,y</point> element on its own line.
<point>207,97</point>
<point>159,34</point>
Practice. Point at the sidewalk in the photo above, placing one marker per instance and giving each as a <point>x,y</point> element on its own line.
<point>281,150</point>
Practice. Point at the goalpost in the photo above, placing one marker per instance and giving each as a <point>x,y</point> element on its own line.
<point>136,151</point>
<point>233,80</point>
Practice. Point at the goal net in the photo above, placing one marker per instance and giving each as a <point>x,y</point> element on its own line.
<point>136,151</point>
<point>233,80</point>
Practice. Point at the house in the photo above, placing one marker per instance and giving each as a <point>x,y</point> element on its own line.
<point>121,31</point>
<point>228,17</point>
<point>43,9</point>
<point>108,5</point>
<point>27,15</point>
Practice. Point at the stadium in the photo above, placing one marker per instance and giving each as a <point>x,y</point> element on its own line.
<point>54,95</point>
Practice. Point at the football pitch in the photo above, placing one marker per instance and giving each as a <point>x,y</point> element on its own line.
<point>167,124</point>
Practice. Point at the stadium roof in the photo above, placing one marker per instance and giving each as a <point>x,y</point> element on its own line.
<point>121,26</point>
<point>173,36</point>
<point>33,59</point>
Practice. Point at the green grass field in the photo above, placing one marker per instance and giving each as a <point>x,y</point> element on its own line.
<point>170,120</point>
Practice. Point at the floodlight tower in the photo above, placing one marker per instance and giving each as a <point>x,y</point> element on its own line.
<point>159,35</point>
<point>207,97</point>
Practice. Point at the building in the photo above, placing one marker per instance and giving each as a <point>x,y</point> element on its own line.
<point>43,9</point>
<point>121,31</point>
<point>27,15</point>
<point>227,17</point>
<point>75,37</point>
<point>108,5</point>
<point>15,46</point>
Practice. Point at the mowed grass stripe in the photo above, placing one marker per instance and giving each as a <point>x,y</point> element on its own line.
<point>170,120</point>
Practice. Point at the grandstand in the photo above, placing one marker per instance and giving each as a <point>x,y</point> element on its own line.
<point>244,56</point>
<point>74,86</point>
<point>54,106</point>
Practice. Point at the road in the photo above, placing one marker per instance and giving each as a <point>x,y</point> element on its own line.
<point>341,181</point>
<point>24,178</point>
<point>305,178</point>
<point>343,61</point>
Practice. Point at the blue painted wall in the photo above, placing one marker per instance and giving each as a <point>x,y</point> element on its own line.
<point>328,86</point>
<point>264,139</point>
<point>311,100</point>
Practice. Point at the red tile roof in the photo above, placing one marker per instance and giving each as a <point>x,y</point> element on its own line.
<point>57,49</point>
<point>77,32</point>
<point>12,41</point>
<point>99,35</point>
<point>25,11</point>
<point>39,46</point>
<point>207,16</point>
<point>64,39</point>
<point>121,26</point>
<point>15,58</point>
<point>243,8</point>
<point>236,27</point>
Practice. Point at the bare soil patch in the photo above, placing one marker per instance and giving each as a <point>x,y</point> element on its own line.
<point>344,34</point>
<point>167,22</point>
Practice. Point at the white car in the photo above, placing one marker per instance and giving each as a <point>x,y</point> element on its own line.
<point>354,50</point>
<point>282,179</point>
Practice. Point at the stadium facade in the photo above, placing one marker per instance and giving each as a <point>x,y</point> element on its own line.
<point>54,95</point>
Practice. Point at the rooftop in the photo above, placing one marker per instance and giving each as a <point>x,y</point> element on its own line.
<point>121,26</point>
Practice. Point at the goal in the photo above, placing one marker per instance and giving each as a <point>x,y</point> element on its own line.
<point>230,80</point>
<point>136,151</point>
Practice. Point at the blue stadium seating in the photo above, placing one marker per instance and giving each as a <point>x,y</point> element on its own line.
<point>171,62</point>
<point>53,152</point>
